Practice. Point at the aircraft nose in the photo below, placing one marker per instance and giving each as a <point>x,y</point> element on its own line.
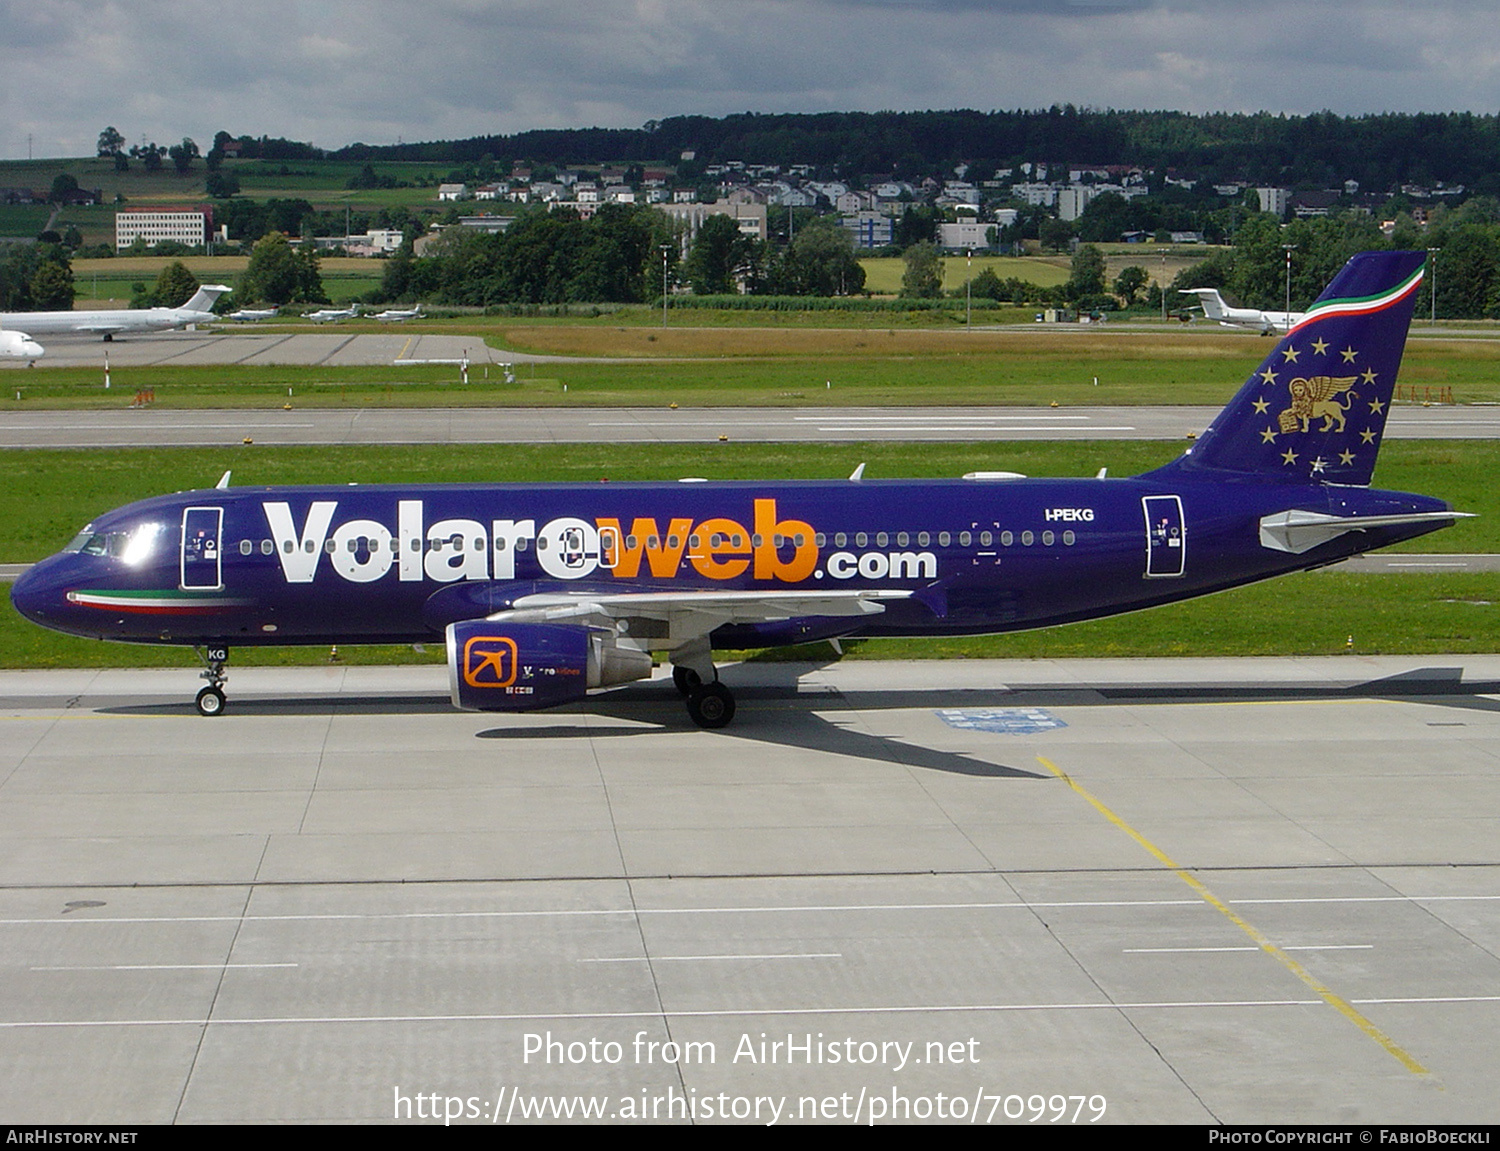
<point>39,594</point>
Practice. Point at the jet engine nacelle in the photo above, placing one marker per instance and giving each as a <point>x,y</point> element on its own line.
<point>495,666</point>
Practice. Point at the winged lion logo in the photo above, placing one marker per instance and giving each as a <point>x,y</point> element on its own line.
<point>1312,398</point>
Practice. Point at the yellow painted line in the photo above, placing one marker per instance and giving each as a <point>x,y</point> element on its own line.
<point>401,355</point>
<point>1337,1002</point>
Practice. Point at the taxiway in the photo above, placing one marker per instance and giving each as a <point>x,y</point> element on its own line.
<point>1238,891</point>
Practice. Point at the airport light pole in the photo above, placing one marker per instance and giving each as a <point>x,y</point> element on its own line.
<point>1432,254</point>
<point>969,291</point>
<point>1288,249</point>
<point>665,248</point>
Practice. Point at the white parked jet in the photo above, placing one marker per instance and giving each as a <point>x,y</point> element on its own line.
<point>1266,323</point>
<point>250,315</point>
<point>109,322</point>
<point>19,346</point>
<point>399,315</point>
<point>333,315</point>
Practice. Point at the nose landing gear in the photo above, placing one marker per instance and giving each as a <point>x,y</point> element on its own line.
<point>210,700</point>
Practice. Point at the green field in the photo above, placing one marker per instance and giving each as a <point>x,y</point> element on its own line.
<point>716,366</point>
<point>883,273</point>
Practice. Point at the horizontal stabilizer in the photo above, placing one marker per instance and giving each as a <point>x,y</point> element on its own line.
<point>1298,531</point>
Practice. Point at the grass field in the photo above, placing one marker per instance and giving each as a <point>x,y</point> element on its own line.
<point>731,365</point>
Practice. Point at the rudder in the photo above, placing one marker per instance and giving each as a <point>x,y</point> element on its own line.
<point>1315,409</point>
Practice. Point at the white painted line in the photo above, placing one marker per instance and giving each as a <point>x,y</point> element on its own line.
<point>1206,950</point>
<point>810,909</point>
<point>728,1013</point>
<point>697,958</point>
<point>169,967</point>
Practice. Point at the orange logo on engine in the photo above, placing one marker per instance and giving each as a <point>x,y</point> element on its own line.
<point>490,661</point>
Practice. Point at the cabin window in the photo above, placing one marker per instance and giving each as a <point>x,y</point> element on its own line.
<point>246,547</point>
<point>944,539</point>
<point>986,539</point>
<point>861,539</point>
<point>1028,538</point>
<point>1047,538</point>
<point>499,543</point>
<point>1007,538</point>
<point>736,540</point>
<point>923,539</point>
<point>631,542</point>
<point>1069,537</point>
<point>652,542</point>
<point>965,539</point>
<point>902,539</point>
<point>841,540</point>
<point>267,547</point>
<point>820,541</point>
<point>694,541</point>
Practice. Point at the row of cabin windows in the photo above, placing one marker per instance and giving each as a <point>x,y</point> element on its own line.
<point>716,540</point>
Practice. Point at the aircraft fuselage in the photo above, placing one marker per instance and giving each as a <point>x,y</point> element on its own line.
<point>397,564</point>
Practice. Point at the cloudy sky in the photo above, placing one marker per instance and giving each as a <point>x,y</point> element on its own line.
<point>338,71</point>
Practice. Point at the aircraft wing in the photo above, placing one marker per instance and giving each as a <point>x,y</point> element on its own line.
<point>707,610</point>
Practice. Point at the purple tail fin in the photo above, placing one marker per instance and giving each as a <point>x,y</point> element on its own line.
<point>1315,409</point>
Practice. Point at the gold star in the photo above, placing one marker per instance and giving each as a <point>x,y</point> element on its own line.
<point>1290,353</point>
<point>1318,465</point>
<point>1289,456</point>
<point>1367,436</point>
<point>1320,346</point>
<point>1260,407</point>
<point>1348,354</point>
<point>1368,376</point>
<point>1268,436</point>
<point>1346,458</point>
<point>1376,406</point>
<point>1268,376</point>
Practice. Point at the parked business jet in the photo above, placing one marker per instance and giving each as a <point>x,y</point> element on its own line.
<point>333,315</point>
<point>252,315</point>
<point>20,346</point>
<point>110,322</point>
<point>545,591</point>
<point>1266,323</point>
<point>399,315</point>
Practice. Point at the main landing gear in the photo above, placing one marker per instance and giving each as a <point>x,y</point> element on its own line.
<point>211,700</point>
<point>709,704</point>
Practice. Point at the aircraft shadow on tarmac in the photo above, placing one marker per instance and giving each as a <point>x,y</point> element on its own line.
<point>793,717</point>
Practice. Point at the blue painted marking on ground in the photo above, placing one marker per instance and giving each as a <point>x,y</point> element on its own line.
<point>1007,720</point>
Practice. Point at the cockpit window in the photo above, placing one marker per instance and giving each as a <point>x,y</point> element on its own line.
<point>133,545</point>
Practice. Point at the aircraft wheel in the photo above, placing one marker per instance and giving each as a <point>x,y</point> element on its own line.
<point>686,680</point>
<point>210,701</point>
<point>711,705</point>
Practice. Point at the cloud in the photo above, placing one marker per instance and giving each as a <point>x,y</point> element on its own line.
<point>336,71</point>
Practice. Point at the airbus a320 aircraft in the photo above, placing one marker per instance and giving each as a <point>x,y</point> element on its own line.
<point>110,322</point>
<point>545,591</point>
<point>1266,323</point>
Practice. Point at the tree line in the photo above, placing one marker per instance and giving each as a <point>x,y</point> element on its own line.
<point>1381,151</point>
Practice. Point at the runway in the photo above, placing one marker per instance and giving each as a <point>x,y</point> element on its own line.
<point>1235,891</point>
<point>127,427</point>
